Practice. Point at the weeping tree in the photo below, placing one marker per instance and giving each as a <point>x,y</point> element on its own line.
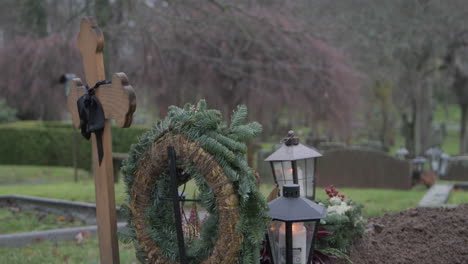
<point>243,53</point>
<point>30,69</point>
<point>401,42</point>
<point>248,52</point>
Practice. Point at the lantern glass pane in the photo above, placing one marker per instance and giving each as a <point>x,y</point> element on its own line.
<point>283,172</point>
<point>302,176</point>
<point>310,229</point>
<point>310,189</point>
<point>274,239</point>
<point>302,234</point>
<point>278,171</point>
<point>287,172</point>
<point>310,181</point>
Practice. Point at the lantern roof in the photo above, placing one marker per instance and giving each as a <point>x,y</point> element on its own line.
<point>293,152</point>
<point>295,208</point>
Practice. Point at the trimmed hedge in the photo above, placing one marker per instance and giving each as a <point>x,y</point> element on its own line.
<point>51,143</point>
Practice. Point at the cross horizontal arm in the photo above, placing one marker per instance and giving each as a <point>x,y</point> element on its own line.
<point>118,99</point>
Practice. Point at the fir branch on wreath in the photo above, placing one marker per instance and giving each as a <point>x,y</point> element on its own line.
<point>213,154</point>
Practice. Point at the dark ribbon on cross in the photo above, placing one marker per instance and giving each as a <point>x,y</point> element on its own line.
<point>92,119</point>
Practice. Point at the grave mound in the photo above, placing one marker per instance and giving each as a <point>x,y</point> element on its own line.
<point>418,235</point>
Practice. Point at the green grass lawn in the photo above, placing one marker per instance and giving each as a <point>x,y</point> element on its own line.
<point>451,115</point>
<point>458,197</point>
<point>71,252</point>
<point>28,221</point>
<point>82,191</point>
<point>376,201</point>
<point>381,201</point>
<point>13,174</point>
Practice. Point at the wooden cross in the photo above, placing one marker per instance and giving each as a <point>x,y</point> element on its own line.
<point>119,103</point>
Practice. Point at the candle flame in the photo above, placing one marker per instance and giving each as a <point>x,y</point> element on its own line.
<point>297,227</point>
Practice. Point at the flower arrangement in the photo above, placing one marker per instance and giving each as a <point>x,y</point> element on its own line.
<point>344,223</point>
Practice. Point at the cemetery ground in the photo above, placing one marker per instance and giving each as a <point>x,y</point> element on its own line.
<point>57,183</point>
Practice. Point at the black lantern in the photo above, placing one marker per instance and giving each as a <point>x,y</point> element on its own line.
<point>419,164</point>
<point>292,233</point>
<point>295,163</point>
<point>418,168</point>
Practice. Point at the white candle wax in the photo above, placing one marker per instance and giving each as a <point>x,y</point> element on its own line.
<point>299,235</point>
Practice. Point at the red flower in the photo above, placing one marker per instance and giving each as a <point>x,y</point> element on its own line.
<point>332,192</point>
<point>321,232</point>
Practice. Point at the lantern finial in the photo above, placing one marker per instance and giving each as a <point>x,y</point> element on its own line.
<point>291,139</point>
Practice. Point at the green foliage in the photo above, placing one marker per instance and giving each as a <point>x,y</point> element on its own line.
<point>7,114</point>
<point>227,146</point>
<point>344,220</point>
<point>53,143</point>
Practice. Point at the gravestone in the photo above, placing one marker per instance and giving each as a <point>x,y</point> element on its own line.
<point>364,169</point>
<point>118,102</point>
<point>457,169</point>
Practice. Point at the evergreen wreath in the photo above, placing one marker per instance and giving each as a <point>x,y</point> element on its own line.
<point>213,154</point>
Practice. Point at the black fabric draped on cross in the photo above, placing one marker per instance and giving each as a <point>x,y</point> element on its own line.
<point>92,117</point>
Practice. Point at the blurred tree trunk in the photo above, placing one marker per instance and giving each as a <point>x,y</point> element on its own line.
<point>418,131</point>
<point>34,17</point>
<point>423,119</point>
<point>464,129</point>
<point>383,93</point>
<point>456,62</point>
<point>103,14</point>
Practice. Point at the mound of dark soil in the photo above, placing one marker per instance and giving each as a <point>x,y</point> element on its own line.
<point>419,235</point>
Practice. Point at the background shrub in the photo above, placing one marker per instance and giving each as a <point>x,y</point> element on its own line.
<point>55,143</point>
<point>7,114</point>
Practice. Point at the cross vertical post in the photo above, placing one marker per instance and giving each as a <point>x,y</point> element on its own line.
<point>91,45</point>
<point>118,102</point>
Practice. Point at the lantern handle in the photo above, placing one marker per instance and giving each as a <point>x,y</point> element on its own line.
<point>291,139</point>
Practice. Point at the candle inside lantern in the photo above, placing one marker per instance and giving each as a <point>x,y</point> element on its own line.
<point>299,243</point>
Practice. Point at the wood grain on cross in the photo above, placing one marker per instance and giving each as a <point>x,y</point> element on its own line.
<point>119,103</point>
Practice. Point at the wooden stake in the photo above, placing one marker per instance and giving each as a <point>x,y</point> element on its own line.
<point>119,103</point>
